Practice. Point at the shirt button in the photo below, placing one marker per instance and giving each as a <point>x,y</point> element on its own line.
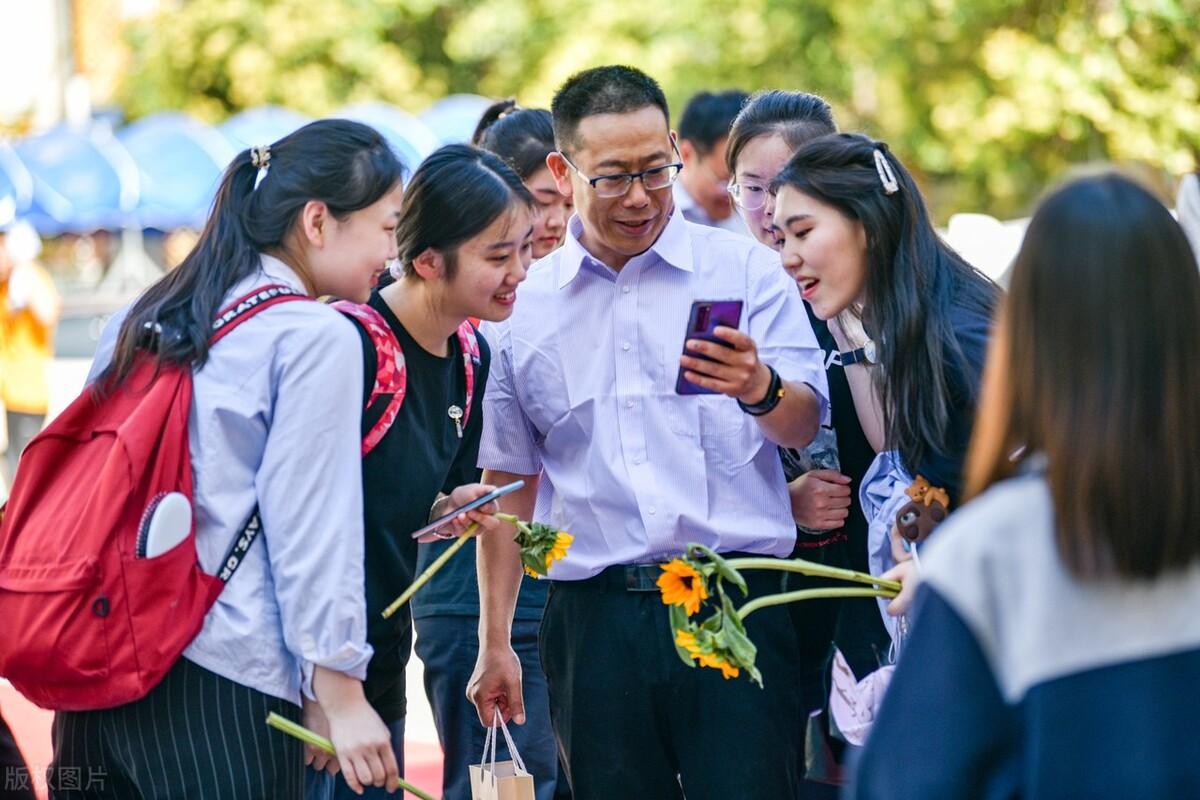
<point>651,510</point>
<point>629,404</point>
<point>637,461</point>
<point>626,346</point>
<point>625,290</point>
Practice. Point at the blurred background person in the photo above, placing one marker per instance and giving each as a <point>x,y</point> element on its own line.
<point>702,191</point>
<point>1056,641</point>
<point>29,310</point>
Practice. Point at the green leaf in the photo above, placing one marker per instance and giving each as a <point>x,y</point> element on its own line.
<point>735,638</point>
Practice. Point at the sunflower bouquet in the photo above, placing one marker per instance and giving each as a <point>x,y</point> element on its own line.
<point>541,545</point>
<point>719,641</point>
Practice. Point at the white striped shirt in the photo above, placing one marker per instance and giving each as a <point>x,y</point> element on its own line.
<point>582,385</point>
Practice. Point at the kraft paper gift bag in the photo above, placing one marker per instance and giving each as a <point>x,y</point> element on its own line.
<point>500,780</point>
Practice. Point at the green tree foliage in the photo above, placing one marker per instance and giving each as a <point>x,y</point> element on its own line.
<point>986,100</point>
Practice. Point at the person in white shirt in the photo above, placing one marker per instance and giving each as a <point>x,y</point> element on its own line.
<point>583,394</point>
<point>702,191</point>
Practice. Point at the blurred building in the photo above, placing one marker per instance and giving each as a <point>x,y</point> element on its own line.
<point>61,58</point>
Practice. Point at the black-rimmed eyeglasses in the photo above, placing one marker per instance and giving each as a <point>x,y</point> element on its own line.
<point>653,179</point>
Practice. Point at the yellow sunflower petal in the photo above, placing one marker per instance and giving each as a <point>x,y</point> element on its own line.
<point>682,585</point>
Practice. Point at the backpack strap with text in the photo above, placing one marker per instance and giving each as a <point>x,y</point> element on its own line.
<point>391,374</point>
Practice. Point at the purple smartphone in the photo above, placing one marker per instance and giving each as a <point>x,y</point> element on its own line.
<point>707,316</point>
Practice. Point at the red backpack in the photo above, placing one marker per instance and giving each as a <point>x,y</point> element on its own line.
<point>88,621</point>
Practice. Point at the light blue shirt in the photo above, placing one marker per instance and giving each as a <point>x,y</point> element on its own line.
<point>692,212</point>
<point>275,420</point>
<point>582,386</point>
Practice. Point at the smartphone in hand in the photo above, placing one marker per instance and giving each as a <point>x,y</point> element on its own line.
<point>706,316</point>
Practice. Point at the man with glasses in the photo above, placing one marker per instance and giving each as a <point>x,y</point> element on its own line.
<point>702,192</point>
<point>582,394</point>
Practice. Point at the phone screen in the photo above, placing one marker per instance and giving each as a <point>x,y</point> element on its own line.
<point>705,317</point>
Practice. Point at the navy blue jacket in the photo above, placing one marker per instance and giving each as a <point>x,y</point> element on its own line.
<point>1022,681</point>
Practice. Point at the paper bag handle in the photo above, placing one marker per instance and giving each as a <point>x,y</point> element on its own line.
<point>488,758</point>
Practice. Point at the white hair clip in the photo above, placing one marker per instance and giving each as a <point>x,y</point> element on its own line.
<point>886,176</point>
<point>260,157</point>
<point>396,268</point>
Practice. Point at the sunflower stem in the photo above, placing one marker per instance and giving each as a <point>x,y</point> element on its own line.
<point>807,594</point>
<point>321,743</point>
<point>430,571</point>
<point>813,570</point>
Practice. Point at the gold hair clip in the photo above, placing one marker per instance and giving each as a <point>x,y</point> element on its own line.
<point>886,176</point>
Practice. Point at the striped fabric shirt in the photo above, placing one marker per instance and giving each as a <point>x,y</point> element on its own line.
<point>583,387</point>
<point>275,420</point>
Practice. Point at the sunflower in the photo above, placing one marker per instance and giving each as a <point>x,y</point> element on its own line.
<point>682,584</point>
<point>687,640</point>
<point>717,661</point>
<point>558,550</point>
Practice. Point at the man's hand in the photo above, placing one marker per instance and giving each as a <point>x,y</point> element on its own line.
<point>820,499</point>
<point>496,684</point>
<point>734,371</point>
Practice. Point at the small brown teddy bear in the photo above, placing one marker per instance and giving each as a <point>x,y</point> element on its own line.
<point>928,508</point>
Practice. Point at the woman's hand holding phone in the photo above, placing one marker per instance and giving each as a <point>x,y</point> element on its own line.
<point>482,516</point>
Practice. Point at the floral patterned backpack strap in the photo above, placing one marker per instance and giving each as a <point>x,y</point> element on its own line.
<point>468,340</point>
<point>391,374</point>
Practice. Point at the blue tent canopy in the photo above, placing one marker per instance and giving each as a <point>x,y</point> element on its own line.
<point>407,135</point>
<point>83,180</point>
<point>180,161</point>
<point>258,126</point>
<point>16,186</point>
<point>453,119</point>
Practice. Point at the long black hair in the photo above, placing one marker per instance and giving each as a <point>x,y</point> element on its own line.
<point>346,165</point>
<point>455,194</point>
<point>913,279</point>
<point>1096,367</point>
<point>521,136</point>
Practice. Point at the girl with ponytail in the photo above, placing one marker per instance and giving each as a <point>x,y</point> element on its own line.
<point>274,437</point>
<point>523,137</point>
<point>446,614</point>
<point>464,244</point>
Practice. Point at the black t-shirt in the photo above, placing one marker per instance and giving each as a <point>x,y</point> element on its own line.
<point>420,456</point>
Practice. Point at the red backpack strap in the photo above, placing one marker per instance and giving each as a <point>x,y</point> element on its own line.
<point>391,375</point>
<point>250,304</point>
<point>469,342</point>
